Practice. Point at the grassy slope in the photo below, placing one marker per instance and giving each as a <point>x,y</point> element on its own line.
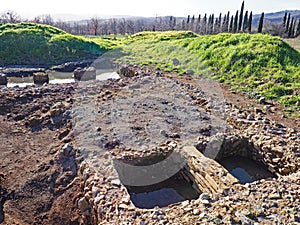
<point>28,43</point>
<point>256,64</point>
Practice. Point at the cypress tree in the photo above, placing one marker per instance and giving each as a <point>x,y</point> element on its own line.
<point>298,29</point>
<point>292,28</point>
<point>228,17</point>
<point>216,26</point>
<point>227,22</point>
<point>183,25</point>
<point>250,23</point>
<point>241,17</point>
<point>193,19</point>
<point>174,23</point>
<point>220,23</point>
<point>204,24</point>
<point>198,26</point>
<point>192,23</point>
<point>208,24</point>
<point>235,24</point>
<point>261,23</point>
<point>245,23</point>
<point>284,19</point>
<point>188,19</point>
<point>212,23</point>
<point>287,25</point>
<point>231,25</point>
<point>224,29</point>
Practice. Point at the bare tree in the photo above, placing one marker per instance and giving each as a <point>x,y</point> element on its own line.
<point>275,29</point>
<point>121,26</point>
<point>44,19</point>
<point>10,17</point>
<point>94,25</point>
<point>130,26</point>
<point>63,25</point>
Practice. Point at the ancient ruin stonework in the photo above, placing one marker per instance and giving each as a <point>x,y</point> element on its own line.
<point>85,74</point>
<point>222,198</point>
<point>40,78</point>
<point>61,142</point>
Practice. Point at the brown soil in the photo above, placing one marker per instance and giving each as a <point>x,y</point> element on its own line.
<point>31,185</point>
<point>35,185</point>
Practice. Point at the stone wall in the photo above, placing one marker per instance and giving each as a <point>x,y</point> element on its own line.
<point>273,144</point>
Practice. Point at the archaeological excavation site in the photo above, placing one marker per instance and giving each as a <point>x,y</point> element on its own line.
<point>147,148</point>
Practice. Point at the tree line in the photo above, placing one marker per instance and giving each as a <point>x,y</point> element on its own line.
<point>240,22</point>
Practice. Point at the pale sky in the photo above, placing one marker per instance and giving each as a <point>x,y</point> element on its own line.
<point>91,8</point>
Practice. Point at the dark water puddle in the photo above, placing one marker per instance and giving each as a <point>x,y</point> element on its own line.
<point>173,190</point>
<point>245,169</point>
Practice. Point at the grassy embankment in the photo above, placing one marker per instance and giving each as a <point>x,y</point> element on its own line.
<point>255,64</point>
<point>33,44</point>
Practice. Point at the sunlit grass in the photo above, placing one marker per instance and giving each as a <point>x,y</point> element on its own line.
<point>256,64</point>
<point>34,44</point>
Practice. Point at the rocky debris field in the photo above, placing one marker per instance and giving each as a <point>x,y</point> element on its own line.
<point>61,145</point>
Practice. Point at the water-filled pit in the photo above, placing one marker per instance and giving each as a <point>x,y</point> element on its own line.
<point>242,160</point>
<point>245,169</point>
<point>173,189</point>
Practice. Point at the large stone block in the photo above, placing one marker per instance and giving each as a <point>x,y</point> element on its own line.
<point>3,79</point>
<point>40,78</point>
<point>85,74</point>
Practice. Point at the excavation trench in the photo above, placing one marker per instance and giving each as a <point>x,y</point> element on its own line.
<point>245,169</point>
<point>241,159</point>
<point>173,189</point>
<point>162,179</point>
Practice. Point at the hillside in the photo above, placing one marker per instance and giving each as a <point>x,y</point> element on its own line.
<point>276,17</point>
<point>34,44</point>
<point>255,64</point>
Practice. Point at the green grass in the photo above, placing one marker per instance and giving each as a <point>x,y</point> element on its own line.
<point>34,44</point>
<point>256,64</point>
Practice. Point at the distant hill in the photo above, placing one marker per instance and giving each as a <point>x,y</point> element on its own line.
<point>276,17</point>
